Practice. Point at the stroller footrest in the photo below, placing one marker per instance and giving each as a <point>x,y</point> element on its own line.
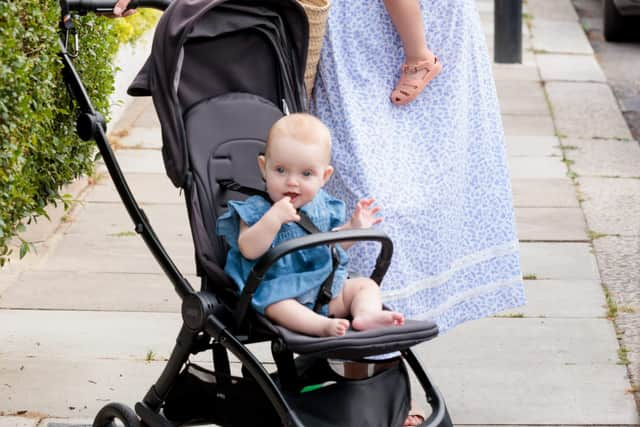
<point>361,344</point>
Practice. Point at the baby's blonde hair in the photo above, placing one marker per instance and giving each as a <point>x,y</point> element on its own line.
<point>301,127</point>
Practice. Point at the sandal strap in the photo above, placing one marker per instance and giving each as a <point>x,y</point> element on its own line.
<point>422,65</point>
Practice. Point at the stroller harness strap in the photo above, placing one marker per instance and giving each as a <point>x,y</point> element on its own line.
<point>324,293</point>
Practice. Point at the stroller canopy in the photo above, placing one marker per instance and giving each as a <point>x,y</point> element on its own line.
<point>207,48</point>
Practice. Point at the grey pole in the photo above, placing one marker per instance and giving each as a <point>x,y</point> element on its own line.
<point>507,31</point>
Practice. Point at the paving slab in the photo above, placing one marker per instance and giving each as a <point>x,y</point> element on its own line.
<point>511,342</point>
<point>533,146</point>
<point>82,335</point>
<point>586,110</point>
<point>127,61</point>
<point>619,262</point>
<point>103,220</point>
<point>138,138</point>
<point>558,10</point>
<point>146,188</point>
<point>37,254</point>
<point>611,205</point>
<point>135,108</point>
<point>552,192</point>
<point>568,387</point>
<point>521,97</point>
<point>78,388</point>
<point>518,124</point>
<point>140,161</point>
<point>140,113</point>
<point>43,228</point>
<point>18,422</point>
<point>74,290</point>
<point>148,117</point>
<point>559,37</point>
<point>573,261</point>
<point>66,422</point>
<point>571,299</point>
<point>562,67</point>
<point>120,255</point>
<point>604,157</point>
<point>6,281</point>
<point>512,395</point>
<point>537,168</point>
<point>551,224</point>
<point>515,72</point>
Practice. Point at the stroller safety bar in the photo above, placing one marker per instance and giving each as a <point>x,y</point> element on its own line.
<point>105,7</point>
<point>267,260</point>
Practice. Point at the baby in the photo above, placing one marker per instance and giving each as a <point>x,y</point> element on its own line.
<point>295,167</point>
<point>421,65</point>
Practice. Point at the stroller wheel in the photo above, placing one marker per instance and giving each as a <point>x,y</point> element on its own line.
<point>116,415</point>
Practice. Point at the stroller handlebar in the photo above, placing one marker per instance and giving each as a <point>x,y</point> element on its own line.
<point>105,7</point>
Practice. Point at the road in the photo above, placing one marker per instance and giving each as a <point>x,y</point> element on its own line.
<point>619,61</point>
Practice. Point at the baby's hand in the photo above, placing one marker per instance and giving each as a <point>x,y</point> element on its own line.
<point>364,214</point>
<point>284,211</point>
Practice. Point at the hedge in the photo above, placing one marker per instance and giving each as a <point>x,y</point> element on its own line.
<point>39,150</point>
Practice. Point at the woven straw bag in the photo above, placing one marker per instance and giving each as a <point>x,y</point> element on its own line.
<point>317,13</point>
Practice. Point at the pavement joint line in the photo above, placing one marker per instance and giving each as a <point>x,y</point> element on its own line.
<point>555,241</point>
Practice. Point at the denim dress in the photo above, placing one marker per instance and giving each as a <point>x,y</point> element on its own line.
<point>297,275</point>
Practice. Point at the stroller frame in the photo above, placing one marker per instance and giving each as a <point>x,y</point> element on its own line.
<point>203,326</point>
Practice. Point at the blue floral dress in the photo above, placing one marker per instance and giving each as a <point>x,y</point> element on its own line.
<point>297,275</point>
<point>436,166</point>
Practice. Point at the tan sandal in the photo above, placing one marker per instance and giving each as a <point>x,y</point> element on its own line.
<point>408,89</point>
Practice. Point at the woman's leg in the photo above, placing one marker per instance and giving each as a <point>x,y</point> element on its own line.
<point>407,18</point>
<point>421,65</point>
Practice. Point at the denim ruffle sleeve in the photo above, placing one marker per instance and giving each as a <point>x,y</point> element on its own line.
<point>325,211</point>
<point>249,211</point>
<point>337,212</point>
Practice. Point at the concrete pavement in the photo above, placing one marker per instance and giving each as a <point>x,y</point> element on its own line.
<point>90,318</point>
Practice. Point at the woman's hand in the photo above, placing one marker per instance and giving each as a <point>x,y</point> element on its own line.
<point>364,215</point>
<point>120,9</point>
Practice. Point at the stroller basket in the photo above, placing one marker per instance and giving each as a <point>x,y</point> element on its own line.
<point>203,396</point>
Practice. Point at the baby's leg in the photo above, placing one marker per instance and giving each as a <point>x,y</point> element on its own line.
<point>407,18</point>
<point>361,298</point>
<point>296,317</point>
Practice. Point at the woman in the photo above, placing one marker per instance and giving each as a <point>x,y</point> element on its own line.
<point>437,164</point>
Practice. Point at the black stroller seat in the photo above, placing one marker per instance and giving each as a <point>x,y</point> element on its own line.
<point>220,74</point>
<point>225,134</point>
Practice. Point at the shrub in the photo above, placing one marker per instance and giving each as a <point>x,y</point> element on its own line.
<point>39,149</point>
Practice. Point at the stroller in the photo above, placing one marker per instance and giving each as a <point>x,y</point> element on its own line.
<point>220,74</point>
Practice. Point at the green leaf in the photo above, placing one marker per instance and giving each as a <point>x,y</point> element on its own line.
<point>24,248</point>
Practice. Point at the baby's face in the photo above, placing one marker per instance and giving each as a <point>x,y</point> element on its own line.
<point>295,169</point>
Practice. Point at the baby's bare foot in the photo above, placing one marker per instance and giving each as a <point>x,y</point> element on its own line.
<point>336,327</point>
<point>378,320</point>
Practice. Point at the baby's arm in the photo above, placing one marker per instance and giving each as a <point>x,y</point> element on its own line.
<point>364,216</point>
<point>254,241</point>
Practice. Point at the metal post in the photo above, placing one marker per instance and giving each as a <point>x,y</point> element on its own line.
<point>508,31</point>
